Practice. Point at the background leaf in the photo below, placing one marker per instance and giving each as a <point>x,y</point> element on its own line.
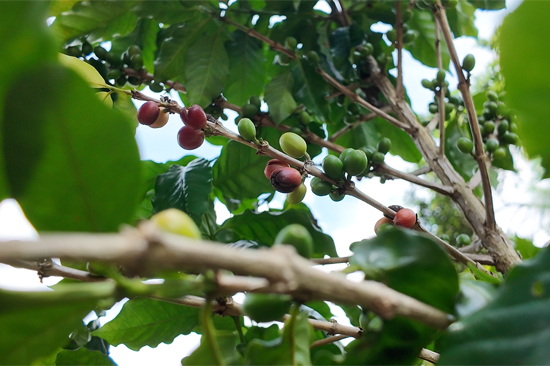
<point>310,89</point>
<point>144,35</point>
<point>423,48</point>
<point>279,97</point>
<point>203,355</point>
<point>69,170</point>
<point>83,356</point>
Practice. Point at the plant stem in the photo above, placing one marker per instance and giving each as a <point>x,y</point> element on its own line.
<point>441,93</point>
<point>238,326</point>
<point>209,332</point>
<point>400,90</point>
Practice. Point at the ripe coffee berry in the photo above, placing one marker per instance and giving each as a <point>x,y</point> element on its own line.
<point>405,218</point>
<point>286,180</point>
<point>194,117</point>
<point>148,113</point>
<point>189,138</point>
<point>272,166</point>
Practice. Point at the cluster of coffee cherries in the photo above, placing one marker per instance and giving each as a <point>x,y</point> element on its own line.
<point>496,129</point>
<point>190,136</point>
<point>404,217</point>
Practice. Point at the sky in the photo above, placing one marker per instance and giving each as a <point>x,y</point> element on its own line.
<point>346,221</point>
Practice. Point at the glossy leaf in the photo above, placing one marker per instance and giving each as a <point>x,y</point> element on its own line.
<point>290,349</point>
<point>101,19</point>
<point>310,89</point>
<point>423,48</point>
<point>206,68</point>
<point>527,91</point>
<point>36,324</point>
<point>526,248</point>
<point>279,97</point>
<point>185,188</point>
<point>144,35</point>
<point>83,356</point>
<point>167,12</point>
<point>246,68</point>
<point>264,227</point>
<point>239,172</point>
<point>513,328</point>
<point>148,322</point>
<point>204,355</point>
<point>63,165</point>
<point>488,4</point>
<point>461,19</point>
<point>473,295</point>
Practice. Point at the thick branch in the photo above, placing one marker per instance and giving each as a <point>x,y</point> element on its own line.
<point>147,250</point>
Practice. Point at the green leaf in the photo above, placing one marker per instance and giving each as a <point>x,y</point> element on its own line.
<point>144,35</point>
<point>526,248</point>
<point>513,328</point>
<point>291,349</point>
<point>70,170</point>
<point>527,90</point>
<point>473,295</point>
<point>171,58</point>
<point>461,19</point>
<point>340,48</point>
<point>423,48</point>
<point>59,6</point>
<point>185,188</point>
<point>206,68</point>
<point>489,4</point>
<point>507,162</point>
<point>167,12</point>
<point>263,227</point>
<point>102,20</point>
<point>415,265</point>
<point>279,97</point>
<point>239,172</point>
<point>402,144</point>
<point>148,322</point>
<point>83,356</point>
<point>246,68</point>
<point>25,22</point>
<point>310,89</point>
<point>36,324</point>
<point>227,341</point>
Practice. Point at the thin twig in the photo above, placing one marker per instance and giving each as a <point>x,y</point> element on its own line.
<point>53,269</point>
<point>345,17</point>
<point>463,86</point>
<point>328,340</point>
<point>439,188</point>
<point>441,93</point>
<point>400,90</point>
<point>362,119</point>
<point>330,260</point>
<point>144,75</point>
<point>421,171</point>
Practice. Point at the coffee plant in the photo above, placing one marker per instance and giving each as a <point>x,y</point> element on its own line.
<point>305,83</point>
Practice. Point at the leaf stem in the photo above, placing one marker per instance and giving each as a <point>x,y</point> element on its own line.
<point>210,332</point>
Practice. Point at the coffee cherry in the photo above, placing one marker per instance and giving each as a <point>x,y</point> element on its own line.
<point>293,144</point>
<point>368,152</point>
<point>409,36</point>
<point>367,50</point>
<point>333,167</point>
<point>189,138</point>
<point>255,100</point>
<point>344,153</point>
<point>469,62</point>
<point>177,222</point>
<point>465,145</point>
<point>405,218</point>
<point>113,74</point>
<point>297,195</point>
<point>336,197</point>
<point>462,240</point>
<point>148,113</point>
<point>134,50</point>
<point>392,35</point>
<point>272,165</point>
<point>355,162</point>
<point>503,127</point>
<point>499,153</point>
<point>156,87</point>
<point>194,117</point>
<point>407,14</point>
<point>384,145</point>
<point>491,145</point>
<point>320,187</point>
<point>382,221</point>
<point>297,236</point>
<point>286,180</point>
<point>86,48</point>
<point>510,138</point>
<point>249,110</point>
<point>266,307</point>
<point>313,57</point>
<point>488,127</point>
<point>161,121</point>
<point>136,62</point>
<point>427,84</point>
<point>433,108</point>
<point>493,96</point>
<point>247,130</point>
<point>440,76</point>
<point>377,158</point>
<point>305,118</point>
<point>291,43</point>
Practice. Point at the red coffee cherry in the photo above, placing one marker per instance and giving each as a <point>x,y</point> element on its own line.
<point>194,117</point>
<point>286,180</point>
<point>405,218</point>
<point>148,113</point>
<point>189,138</point>
<point>273,165</point>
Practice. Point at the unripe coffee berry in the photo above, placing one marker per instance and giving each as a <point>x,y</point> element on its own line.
<point>247,130</point>
<point>286,180</point>
<point>148,113</point>
<point>355,162</point>
<point>405,218</point>
<point>293,144</point>
<point>333,167</point>
<point>320,187</point>
<point>273,165</point>
<point>189,138</point>
<point>194,117</point>
<point>469,62</point>
<point>297,195</point>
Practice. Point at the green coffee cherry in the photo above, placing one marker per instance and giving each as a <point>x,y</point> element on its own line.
<point>407,14</point>
<point>392,35</point>
<point>440,76</point>
<point>492,96</point>
<point>313,57</point>
<point>465,145</point>
<point>491,106</point>
<point>113,74</point>
<point>513,127</point>
<point>510,138</point>
<point>488,127</point>
<point>336,197</point>
<point>291,43</point>
<point>86,48</point>
<point>499,153</point>
<point>462,240</point>
<point>255,100</point>
<point>249,110</point>
<point>449,108</point>
<point>344,153</point>
<point>293,144</point>
<point>409,36</point>
<point>491,145</point>
<point>503,127</point>
<point>247,130</point>
<point>284,59</point>
<point>136,61</point>
<point>378,157</point>
<point>266,307</point>
<point>297,236</point>
<point>156,87</point>
<point>355,162</point>
<point>353,108</point>
<point>297,195</point>
<point>469,62</point>
<point>427,84</point>
<point>333,167</point>
<point>320,187</point>
<point>73,51</point>
<point>367,50</point>
<point>368,152</point>
<point>384,145</point>
<point>350,118</point>
<point>305,118</point>
<point>433,108</point>
<point>134,50</point>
